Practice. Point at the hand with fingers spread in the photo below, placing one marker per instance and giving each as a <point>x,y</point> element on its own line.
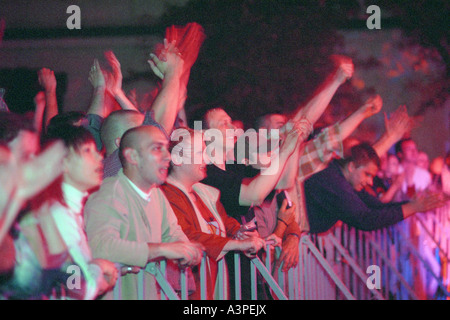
<point>398,124</point>
<point>425,201</point>
<point>428,201</point>
<point>115,82</point>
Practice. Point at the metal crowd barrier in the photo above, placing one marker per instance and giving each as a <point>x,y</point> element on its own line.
<point>333,266</point>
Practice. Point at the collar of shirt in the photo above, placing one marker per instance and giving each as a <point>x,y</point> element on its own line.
<point>142,194</point>
<point>74,197</point>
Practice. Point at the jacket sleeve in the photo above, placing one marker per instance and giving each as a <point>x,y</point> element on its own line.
<point>104,219</point>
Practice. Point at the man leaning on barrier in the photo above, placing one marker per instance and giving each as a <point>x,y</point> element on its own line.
<point>337,194</point>
<point>130,222</point>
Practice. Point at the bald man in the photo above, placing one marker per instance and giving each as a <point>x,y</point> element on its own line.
<point>130,221</point>
<point>114,126</point>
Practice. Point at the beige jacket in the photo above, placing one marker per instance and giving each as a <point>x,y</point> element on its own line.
<point>120,223</point>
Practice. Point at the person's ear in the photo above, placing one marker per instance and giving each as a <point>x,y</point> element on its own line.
<point>117,142</point>
<point>351,167</point>
<point>66,164</point>
<point>131,156</point>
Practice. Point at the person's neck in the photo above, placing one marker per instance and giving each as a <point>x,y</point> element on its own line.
<point>183,180</point>
<point>74,185</point>
<point>138,181</point>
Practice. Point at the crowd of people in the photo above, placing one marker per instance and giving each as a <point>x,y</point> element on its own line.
<point>116,188</point>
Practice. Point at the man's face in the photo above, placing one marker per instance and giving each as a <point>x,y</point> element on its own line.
<point>153,157</point>
<point>423,161</point>
<point>392,166</point>
<point>220,120</point>
<point>83,168</point>
<point>275,121</point>
<point>194,164</point>
<point>362,176</point>
<point>409,152</point>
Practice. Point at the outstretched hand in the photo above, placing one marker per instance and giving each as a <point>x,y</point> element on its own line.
<point>399,123</point>
<point>47,79</point>
<point>96,76</point>
<point>168,62</point>
<point>429,200</point>
<point>114,80</point>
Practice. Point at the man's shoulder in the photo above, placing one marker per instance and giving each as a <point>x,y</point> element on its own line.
<point>111,189</point>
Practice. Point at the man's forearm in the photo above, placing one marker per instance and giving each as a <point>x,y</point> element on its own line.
<point>259,187</point>
<point>124,102</point>
<point>51,109</point>
<point>315,107</point>
<point>166,103</point>
<point>97,104</point>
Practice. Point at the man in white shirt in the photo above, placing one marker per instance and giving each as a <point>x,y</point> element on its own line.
<point>417,180</point>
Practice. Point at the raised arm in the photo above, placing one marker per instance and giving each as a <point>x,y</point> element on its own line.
<point>97,79</point>
<point>395,128</point>
<point>19,181</point>
<point>424,202</point>
<point>169,67</point>
<point>39,103</point>
<point>255,190</point>
<point>114,83</point>
<point>290,171</point>
<point>315,107</point>
<point>371,107</point>
<point>47,80</point>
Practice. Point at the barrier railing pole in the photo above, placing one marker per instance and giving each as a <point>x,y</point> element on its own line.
<point>203,290</point>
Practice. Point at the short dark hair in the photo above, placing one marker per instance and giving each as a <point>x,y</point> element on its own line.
<point>260,121</point>
<point>72,136</point>
<point>11,124</point>
<point>127,141</point>
<point>362,154</point>
<point>66,118</point>
<point>399,144</point>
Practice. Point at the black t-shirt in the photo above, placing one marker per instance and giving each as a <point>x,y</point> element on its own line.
<point>229,183</point>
